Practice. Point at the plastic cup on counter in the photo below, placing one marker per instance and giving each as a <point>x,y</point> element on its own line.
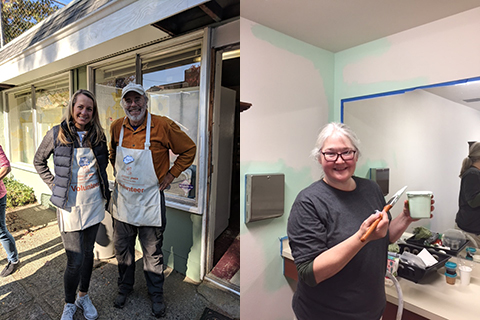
<point>450,272</point>
<point>451,267</point>
<point>420,204</point>
<point>451,278</point>
<point>465,274</point>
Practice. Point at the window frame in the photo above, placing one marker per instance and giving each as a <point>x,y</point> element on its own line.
<point>201,39</point>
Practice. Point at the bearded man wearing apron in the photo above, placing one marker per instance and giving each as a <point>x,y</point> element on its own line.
<point>140,152</point>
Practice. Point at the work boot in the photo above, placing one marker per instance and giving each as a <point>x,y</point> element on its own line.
<point>158,309</point>
<point>89,310</point>
<point>9,268</point>
<point>68,311</point>
<point>120,300</point>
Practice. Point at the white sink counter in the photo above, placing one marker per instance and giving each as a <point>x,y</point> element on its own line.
<point>435,299</point>
<point>432,298</point>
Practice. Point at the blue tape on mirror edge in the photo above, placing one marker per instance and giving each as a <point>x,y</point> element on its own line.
<point>391,93</point>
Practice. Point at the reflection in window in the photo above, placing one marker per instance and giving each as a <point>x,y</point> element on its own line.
<point>109,81</point>
<point>51,102</point>
<point>21,127</point>
<point>172,84</point>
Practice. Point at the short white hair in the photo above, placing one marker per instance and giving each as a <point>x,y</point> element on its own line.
<point>328,130</point>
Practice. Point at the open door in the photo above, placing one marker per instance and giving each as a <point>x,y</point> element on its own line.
<point>223,243</point>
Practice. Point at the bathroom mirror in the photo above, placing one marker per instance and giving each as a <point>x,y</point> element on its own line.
<point>420,134</point>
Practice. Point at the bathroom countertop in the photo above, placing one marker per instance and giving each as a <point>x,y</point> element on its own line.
<point>434,298</point>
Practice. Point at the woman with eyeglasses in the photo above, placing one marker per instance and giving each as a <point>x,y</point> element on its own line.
<point>340,276</point>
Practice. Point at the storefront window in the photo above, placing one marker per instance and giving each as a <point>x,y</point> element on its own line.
<point>31,119</point>
<point>171,80</point>
<point>51,102</point>
<point>172,83</point>
<point>22,145</point>
<point>109,81</point>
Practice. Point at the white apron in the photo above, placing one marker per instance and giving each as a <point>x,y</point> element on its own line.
<point>136,195</point>
<point>85,204</point>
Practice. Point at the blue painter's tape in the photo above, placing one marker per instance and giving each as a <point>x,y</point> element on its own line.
<point>391,93</point>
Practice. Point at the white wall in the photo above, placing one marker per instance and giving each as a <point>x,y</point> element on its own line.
<point>441,51</point>
<point>422,138</point>
<point>291,101</point>
<point>290,85</point>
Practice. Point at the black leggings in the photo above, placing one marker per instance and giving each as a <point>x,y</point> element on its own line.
<point>79,247</point>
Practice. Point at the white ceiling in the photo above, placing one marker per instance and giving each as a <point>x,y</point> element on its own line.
<point>336,25</point>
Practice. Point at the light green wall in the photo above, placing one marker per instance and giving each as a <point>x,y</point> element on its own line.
<point>182,243</point>
<point>349,88</point>
<point>82,78</point>
<point>442,51</point>
<point>322,60</point>
<point>290,84</point>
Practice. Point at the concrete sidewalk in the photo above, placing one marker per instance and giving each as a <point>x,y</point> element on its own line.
<point>35,290</point>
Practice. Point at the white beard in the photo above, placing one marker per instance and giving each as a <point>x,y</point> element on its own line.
<point>136,118</point>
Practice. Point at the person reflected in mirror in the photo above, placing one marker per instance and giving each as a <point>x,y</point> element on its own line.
<point>6,238</point>
<point>139,151</point>
<point>79,191</point>
<point>468,214</point>
<point>340,276</point>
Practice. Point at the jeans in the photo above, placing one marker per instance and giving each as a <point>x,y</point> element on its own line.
<point>79,247</point>
<point>7,240</point>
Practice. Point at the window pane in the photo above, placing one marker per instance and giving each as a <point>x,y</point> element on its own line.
<point>21,127</point>
<point>172,83</point>
<point>51,102</point>
<point>109,81</point>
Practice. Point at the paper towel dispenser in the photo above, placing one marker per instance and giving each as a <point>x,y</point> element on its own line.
<point>265,196</point>
<point>382,177</point>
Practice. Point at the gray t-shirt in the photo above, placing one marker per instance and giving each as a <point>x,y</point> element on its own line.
<point>468,217</point>
<point>322,217</point>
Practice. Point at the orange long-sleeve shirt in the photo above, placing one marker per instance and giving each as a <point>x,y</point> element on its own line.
<point>165,135</point>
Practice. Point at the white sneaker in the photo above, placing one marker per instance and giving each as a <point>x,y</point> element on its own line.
<point>84,303</point>
<point>68,311</point>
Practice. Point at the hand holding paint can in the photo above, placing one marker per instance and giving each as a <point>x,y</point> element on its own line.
<point>420,204</point>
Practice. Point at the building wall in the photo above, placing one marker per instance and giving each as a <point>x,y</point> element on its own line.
<point>290,85</point>
<point>90,39</point>
<point>441,51</point>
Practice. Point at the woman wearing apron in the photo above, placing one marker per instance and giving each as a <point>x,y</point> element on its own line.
<point>79,191</point>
